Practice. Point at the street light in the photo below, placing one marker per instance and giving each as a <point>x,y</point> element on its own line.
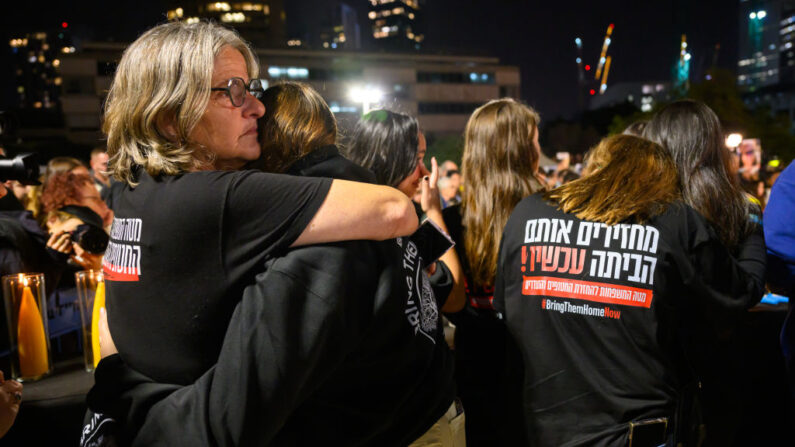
<point>733,140</point>
<point>367,96</point>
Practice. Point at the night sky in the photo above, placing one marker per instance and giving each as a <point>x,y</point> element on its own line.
<point>537,36</point>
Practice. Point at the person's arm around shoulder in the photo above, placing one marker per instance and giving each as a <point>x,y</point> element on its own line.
<point>353,210</point>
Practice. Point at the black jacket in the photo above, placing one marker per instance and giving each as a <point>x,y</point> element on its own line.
<point>335,344</point>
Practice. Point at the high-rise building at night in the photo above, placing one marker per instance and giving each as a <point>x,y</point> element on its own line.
<point>758,64</point>
<point>787,47</point>
<point>262,22</point>
<point>397,24</point>
<point>343,31</point>
<point>37,60</point>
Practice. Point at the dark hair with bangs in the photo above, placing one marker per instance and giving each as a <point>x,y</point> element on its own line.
<point>385,142</point>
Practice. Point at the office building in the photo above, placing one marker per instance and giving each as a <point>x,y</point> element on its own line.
<point>441,91</point>
<point>342,32</point>
<point>396,24</point>
<point>36,63</point>
<point>261,22</point>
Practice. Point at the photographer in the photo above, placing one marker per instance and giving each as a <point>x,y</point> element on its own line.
<point>76,219</point>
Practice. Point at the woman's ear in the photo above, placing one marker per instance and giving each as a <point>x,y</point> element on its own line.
<point>167,126</point>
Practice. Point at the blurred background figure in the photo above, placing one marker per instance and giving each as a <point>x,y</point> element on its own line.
<point>99,170</point>
<point>450,188</point>
<point>446,167</point>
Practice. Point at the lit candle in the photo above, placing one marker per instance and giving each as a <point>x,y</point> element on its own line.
<point>99,303</point>
<point>31,340</point>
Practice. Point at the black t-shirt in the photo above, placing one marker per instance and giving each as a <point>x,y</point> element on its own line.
<point>182,249</point>
<point>344,338</point>
<point>598,311</point>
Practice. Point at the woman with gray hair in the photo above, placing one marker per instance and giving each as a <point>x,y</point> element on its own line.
<point>190,232</point>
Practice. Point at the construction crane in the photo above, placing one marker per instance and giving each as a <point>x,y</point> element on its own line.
<point>602,67</point>
<point>603,86</point>
<point>578,42</point>
<point>602,57</point>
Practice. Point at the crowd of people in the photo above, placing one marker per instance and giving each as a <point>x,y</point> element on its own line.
<point>268,282</point>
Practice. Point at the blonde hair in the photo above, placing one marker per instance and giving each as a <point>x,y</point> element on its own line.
<point>297,121</point>
<point>613,191</point>
<point>165,77</point>
<point>499,167</point>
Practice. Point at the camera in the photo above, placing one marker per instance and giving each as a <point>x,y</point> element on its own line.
<point>92,239</point>
<point>23,168</point>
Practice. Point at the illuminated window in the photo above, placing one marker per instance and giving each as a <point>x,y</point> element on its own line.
<point>233,17</point>
<point>455,78</point>
<point>218,6</point>
<point>289,72</point>
<point>248,6</point>
<point>174,14</point>
<point>336,107</point>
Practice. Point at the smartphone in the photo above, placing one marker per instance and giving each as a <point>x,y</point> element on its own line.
<point>431,241</point>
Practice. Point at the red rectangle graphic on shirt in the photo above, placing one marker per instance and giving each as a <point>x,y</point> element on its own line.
<point>121,276</point>
<point>586,290</point>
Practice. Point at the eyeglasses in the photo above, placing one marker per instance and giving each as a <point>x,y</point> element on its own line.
<point>237,88</point>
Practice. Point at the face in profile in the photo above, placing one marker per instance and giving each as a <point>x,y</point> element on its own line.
<point>229,132</point>
<point>411,184</point>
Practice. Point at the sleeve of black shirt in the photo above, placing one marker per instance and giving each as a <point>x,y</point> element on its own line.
<point>265,213</point>
<point>285,338</point>
<point>723,286</point>
<point>441,283</point>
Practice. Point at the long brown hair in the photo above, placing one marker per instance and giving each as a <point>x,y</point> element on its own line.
<point>631,179</point>
<point>297,121</point>
<point>499,166</point>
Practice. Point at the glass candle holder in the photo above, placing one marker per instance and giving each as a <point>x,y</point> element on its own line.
<point>91,298</point>
<point>26,314</point>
